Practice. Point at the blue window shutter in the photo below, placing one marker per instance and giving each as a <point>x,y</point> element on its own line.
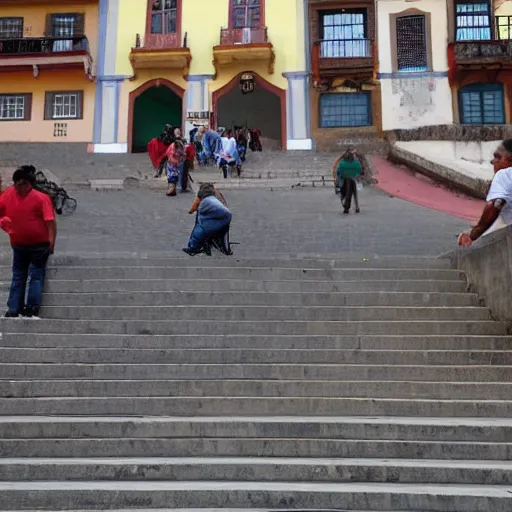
<point>345,110</point>
<point>482,104</point>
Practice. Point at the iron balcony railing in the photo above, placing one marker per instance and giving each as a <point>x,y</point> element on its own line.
<point>345,48</point>
<point>243,35</point>
<point>38,45</point>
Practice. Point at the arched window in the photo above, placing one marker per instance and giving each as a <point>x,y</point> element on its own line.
<point>164,14</point>
<point>246,13</point>
<point>481,104</point>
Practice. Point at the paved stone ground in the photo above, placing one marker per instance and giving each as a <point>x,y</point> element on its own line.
<point>266,223</point>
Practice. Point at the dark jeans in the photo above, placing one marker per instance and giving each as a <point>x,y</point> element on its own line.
<point>348,190</point>
<point>27,261</point>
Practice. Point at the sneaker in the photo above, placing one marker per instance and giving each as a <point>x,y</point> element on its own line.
<point>11,314</point>
<point>31,312</point>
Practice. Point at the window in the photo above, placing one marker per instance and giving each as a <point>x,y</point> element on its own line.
<point>345,109</point>
<point>504,27</point>
<point>66,26</point>
<point>11,28</point>
<point>481,104</point>
<point>164,16</point>
<point>472,22</point>
<point>63,105</point>
<point>15,107</point>
<point>344,34</point>
<point>411,43</point>
<point>246,13</point>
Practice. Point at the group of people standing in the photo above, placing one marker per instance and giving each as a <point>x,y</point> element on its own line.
<point>225,147</point>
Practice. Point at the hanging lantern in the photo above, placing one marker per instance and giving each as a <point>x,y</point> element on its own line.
<point>247,83</point>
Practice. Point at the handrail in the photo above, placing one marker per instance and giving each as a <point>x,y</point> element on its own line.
<point>36,45</point>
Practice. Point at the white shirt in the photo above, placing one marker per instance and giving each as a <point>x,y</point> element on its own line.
<point>501,188</point>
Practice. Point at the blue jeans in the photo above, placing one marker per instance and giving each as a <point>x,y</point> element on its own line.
<point>27,261</point>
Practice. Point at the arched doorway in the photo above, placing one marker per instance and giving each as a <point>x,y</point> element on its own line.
<point>152,106</point>
<point>264,109</point>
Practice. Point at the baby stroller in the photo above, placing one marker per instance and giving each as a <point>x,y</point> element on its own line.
<point>62,202</point>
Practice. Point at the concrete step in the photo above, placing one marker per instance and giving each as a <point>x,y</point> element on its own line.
<point>466,430</point>
<point>236,272</point>
<point>269,342</point>
<point>255,388</point>
<point>181,298</point>
<point>259,469</point>
<point>255,356</point>
<point>266,313</point>
<point>270,406</point>
<point>272,327</point>
<point>254,447</point>
<point>279,495</point>
<point>245,285</point>
<point>317,262</point>
<point>209,371</point>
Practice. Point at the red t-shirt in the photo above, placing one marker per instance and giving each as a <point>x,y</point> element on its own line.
<point>28,215</point>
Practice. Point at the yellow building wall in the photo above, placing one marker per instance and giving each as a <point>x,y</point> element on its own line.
<point>202,21</point>
<point>35,18</point>
<point>37,129</point>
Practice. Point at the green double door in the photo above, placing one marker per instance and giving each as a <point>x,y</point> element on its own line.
<point>153,109</point>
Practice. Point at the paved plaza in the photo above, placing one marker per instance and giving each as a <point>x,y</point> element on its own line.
<point>288,222</point>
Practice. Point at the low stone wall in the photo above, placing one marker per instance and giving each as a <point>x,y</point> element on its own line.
<point>488,267</point>
<point>472,186</point>
<point>455,132</point>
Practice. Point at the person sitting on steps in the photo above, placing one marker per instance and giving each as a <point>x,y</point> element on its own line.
<point>213,220</point>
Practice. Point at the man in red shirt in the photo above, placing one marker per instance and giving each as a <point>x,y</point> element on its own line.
<point>28,216</point>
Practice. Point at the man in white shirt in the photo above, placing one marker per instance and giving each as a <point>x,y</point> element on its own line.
<point>499,199</point>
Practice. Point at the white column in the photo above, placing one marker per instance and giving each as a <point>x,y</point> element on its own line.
<point>297,111</point>
<point>197,97</point>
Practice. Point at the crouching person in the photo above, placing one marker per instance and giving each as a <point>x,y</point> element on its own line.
<point>212,222</point>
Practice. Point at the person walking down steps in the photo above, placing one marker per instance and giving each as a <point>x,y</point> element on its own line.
<point>348,170</point>
<point>27,215</point>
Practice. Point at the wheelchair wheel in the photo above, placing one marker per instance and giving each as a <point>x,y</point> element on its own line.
<point>69,205</point>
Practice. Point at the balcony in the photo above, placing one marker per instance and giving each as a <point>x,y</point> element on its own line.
<point>243,46</point>
<point>36,53</point>
<point>495,53</point>
<point>161,53</point>
<point>353,57</point>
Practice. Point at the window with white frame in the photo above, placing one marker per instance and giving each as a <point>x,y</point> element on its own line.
<point>15,107</point>
<point>65,27</point>
<point>472,21</point>
<point>344,34</point>
<point>64,105</point>
<point>11,28</point>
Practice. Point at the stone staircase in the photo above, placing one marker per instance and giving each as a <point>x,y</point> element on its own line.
<point>284,384</point>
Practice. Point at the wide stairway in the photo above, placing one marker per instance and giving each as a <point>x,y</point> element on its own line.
<point>375,385</point>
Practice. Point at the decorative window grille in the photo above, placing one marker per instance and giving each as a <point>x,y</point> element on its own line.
<point>482,104</point>
<point>345,109</point>
<point>411,43</point>
<point>65,26</point>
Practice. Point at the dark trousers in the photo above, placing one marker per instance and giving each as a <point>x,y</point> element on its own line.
<point>348,190</point>
<point>28,261</point>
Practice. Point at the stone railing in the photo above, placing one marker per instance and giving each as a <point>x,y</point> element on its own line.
<point>488,267</point>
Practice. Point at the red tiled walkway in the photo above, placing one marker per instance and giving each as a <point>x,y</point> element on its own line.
<point>404,184</point>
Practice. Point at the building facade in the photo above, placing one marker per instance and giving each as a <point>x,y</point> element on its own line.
<point>345,96</point>
<point>480,61</point>
<point>235,62</point>
<point>48,59</point>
